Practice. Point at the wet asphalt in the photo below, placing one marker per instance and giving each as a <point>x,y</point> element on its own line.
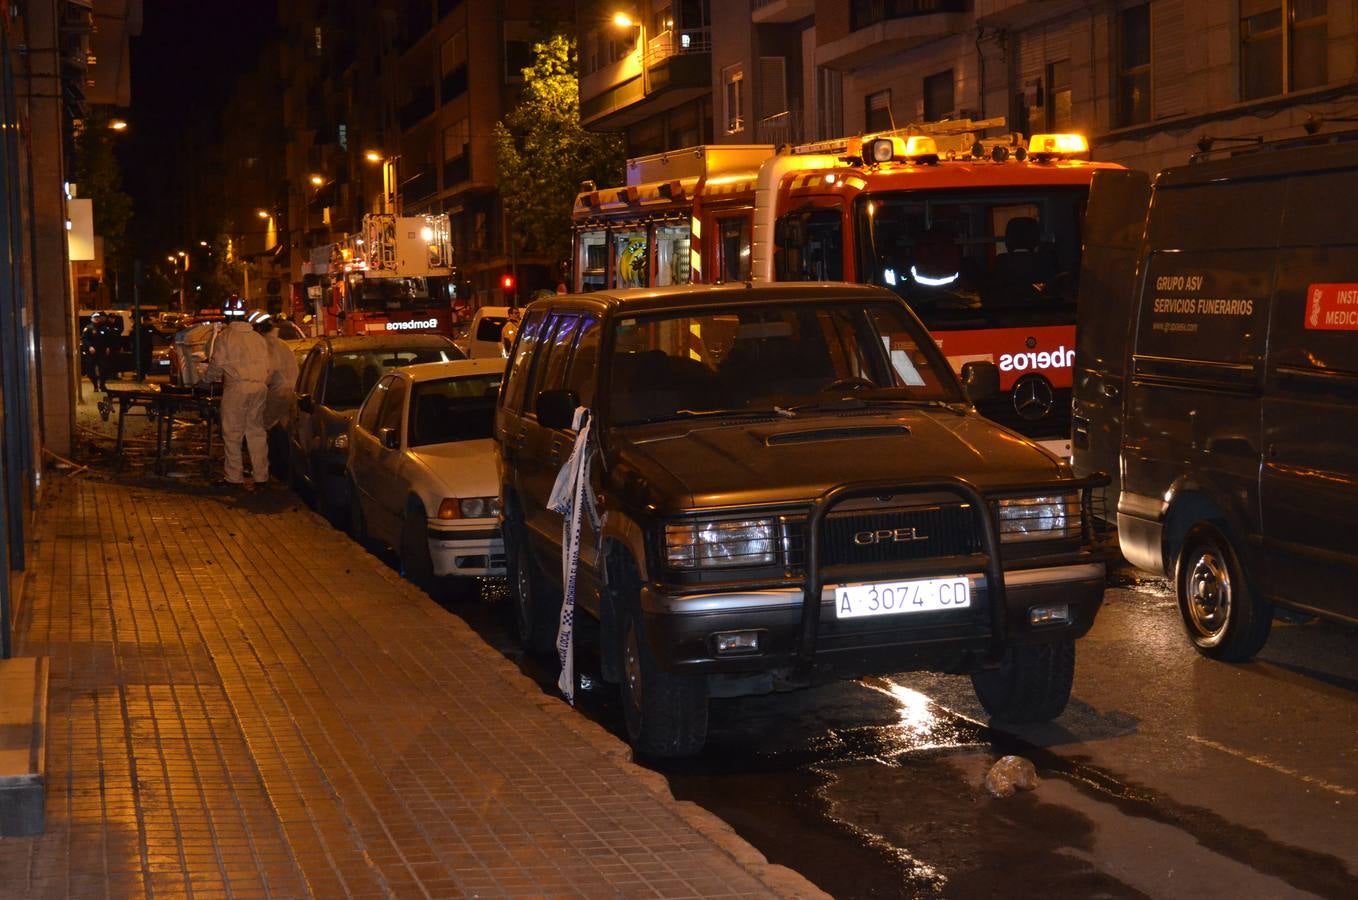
<point>1169,775</point>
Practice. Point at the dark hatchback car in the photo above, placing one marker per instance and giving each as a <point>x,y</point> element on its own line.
<point>331,384</point>
<point>759,445</point>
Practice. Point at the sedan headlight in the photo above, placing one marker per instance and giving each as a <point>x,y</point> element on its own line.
<point>469,508</point>
<point>1039,518</point>
<point>744,542</point>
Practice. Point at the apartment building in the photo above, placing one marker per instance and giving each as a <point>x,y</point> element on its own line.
<point>1147,82</point>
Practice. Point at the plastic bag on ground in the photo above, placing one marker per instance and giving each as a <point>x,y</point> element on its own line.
<point>1009,775</point>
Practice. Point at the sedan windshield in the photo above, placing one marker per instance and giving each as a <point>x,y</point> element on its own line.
<point>353,374</point>
<point>772,357</point>
<point>453,409</point>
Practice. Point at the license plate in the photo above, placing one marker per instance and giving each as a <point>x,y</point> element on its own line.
<point>891,598</point>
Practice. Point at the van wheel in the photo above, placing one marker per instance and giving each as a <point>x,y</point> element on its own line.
<point>1224,617</point>
<point>666,713</point>
<point>416,564</point>
<point>1032,683</point>
<point>536,615</point>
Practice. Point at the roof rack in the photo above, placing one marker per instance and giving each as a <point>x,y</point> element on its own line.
<point>1256,144</point>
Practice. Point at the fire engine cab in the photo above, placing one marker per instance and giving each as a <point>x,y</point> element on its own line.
<point>394,276</point>
<point>980,235</point>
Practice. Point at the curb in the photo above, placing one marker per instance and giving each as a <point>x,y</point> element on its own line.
<point>779,879</point>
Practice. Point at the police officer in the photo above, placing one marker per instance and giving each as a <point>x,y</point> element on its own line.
<point>240,360</point>
<point>96,350</point>
<point>282,380</point>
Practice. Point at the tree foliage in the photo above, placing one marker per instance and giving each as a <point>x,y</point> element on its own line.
<point>99,177</point>
<point>542,153</point>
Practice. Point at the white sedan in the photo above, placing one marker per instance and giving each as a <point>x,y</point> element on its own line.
<point>421,470</point>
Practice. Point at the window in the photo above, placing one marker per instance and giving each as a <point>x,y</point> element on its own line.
<point>1058,113</point>
<point>877,111</point>
<point>829,103</point>
<point>393,406</point>
<point>456,137</point>
<point>1134,66</point>
<point>672,254</point>
<point>938,96</point>
<point>453,67</point>
<point>593,262</point>
<point>512,391</point>
<point>733,77</point>
<point>583,374</point>
<point>733,249</point>
<point>367,417</point>
<point>772,86</point>
<point>810,246</point>
<point>453,409</point>
<point>549,362</point>
<point>518,50</point>
<point>311,371</point>
<point>353,374</point>
<point>1278,36</point>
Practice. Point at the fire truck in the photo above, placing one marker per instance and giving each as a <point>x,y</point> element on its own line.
<point>396,275</point>
<point>980,235</point>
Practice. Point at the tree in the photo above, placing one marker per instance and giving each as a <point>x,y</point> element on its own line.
<point>542,153</point>
<point>99,177</point>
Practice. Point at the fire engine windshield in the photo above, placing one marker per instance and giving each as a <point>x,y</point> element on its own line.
<point>389,294</point>
<point>973,260</point>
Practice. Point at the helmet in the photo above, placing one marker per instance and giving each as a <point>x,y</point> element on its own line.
<point>233,307</point>
<point>256,316</point>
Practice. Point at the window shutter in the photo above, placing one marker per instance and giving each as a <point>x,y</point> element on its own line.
<point>1167,58</point>
<point>772,86</point>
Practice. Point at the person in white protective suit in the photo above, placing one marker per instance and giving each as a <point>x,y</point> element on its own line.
<point>240,360</point>
<point>282,380</point>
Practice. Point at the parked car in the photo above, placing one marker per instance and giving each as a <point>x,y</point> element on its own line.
<point>421,470</point>
<point>332,382</point>
<point>491,332</point>
<point>760,445</point>
<point>1220,376</point>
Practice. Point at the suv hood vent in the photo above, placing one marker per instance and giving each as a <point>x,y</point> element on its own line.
<point>838,433</point>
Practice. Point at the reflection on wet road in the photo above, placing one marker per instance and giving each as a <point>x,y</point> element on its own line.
<point>1169,775</point>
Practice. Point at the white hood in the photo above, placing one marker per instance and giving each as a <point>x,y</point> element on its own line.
<point>465,468</point>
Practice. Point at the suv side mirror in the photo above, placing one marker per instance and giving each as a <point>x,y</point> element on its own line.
<point>981,380</point>
<point>304,403</point>
<point>556,408</point>
<point>389,438</point>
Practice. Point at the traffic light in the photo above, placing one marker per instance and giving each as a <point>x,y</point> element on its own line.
<point>507,282</point>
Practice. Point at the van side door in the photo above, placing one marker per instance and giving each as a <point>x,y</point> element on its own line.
<point>1196,374</point>
<point>1308,482</point>
<point>511,424</point>
<point>1114,223</point>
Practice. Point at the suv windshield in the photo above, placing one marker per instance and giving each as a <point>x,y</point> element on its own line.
<point>454,409</point>
<point>352,375</point>
<point>756,357</point>
<point>975,260</point>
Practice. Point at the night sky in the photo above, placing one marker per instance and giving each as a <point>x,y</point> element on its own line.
<point>184,67</point>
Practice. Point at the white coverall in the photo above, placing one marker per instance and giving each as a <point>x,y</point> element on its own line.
<point>240,360</point>
<point>282,380</point>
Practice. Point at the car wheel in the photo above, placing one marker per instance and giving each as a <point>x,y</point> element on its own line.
<point>1031,684</point>
<point>416,563</point>
<point>537,611</point>
<point>666,714</point>
<point>1224,617</point>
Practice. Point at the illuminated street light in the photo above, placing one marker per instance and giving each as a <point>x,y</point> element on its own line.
<point>118,124</point>
<point>170,259</point>
<point>373,156</point>
<point>317,180</point>
<point>623,20</point>
<point>202,243</point>
<point>263,213</point>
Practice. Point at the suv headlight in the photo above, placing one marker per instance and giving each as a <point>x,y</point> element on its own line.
<point>743,542</point>
<point>1039,518</point>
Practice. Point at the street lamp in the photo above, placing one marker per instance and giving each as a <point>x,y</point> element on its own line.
<point>263,214</point>
<point>118,124</point>
<point>623,20</point>
<point>391,198</point>
<point>317,180</point>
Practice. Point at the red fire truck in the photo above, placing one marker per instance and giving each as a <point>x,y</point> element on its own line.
<point>980,235</point>
<point>394,276</point>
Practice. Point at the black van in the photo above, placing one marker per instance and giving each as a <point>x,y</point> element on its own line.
<point>1218,366</point>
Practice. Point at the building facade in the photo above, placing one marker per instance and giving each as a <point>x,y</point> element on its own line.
<point>1147,82</point>
<point>57,59</point>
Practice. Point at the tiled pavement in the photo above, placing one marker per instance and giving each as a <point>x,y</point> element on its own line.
<point>242,705</point>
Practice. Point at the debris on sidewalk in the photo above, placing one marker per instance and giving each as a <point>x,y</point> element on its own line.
<point>1009,775</point>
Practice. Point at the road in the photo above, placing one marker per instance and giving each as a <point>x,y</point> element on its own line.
<point>1168,776</point>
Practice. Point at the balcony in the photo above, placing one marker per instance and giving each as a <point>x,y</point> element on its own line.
<point>766,11</point>
<point>454,84</point>
<point>456,171</point>
<point>882,28</point>
<point>678,68</point>
<point>783,128</point>
<point>420,186</point>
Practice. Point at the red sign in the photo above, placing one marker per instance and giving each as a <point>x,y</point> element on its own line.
<point>1332,307</point>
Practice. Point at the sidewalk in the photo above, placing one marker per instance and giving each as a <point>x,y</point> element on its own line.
<point>244,704</point>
